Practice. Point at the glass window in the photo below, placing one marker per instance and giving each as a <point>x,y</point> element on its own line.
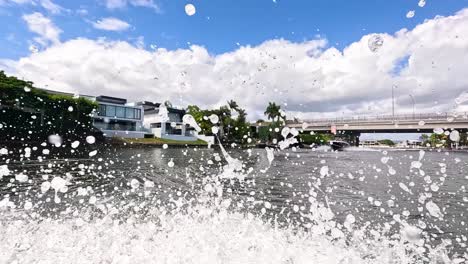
<point>120,112</point>
<point>130,113</point>
<point>110,110</point>
<point>101,110</point>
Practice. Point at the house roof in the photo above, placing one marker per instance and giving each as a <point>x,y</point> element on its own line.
<point>110,99</point>
<point>176,111</point>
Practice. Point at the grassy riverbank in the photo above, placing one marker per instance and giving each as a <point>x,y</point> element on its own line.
<point>161,141</point>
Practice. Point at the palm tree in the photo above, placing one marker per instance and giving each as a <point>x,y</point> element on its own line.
<point>242,115</point>
<point>233,105</point>
<point>272,111</point>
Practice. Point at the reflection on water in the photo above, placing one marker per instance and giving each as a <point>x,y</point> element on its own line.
<point>129,205</point>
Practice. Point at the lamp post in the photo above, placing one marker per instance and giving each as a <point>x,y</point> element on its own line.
<point>412,99</point>
<point>393,102</point>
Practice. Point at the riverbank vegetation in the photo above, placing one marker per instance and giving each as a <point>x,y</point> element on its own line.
<point>32,114</point>
<point>232,125</point>
<point>386,142</point>
<point>315,139</point>
<point>443,140</point>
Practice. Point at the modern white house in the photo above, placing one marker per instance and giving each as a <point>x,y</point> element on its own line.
<point>114,116</point>
<point>166,122</point>
<point>117,118</point>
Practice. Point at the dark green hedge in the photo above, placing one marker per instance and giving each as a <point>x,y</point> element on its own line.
<point>28,113</point>
<point>317,139</point>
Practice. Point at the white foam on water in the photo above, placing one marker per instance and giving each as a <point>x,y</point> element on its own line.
<point>203,234</point>
<point>361,149</point>
<point>234,167</point>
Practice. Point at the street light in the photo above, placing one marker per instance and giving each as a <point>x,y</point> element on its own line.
<point>393,102</point>
<point>412,99</point>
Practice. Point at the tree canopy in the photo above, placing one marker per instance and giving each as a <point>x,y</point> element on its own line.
<point>231,129</point>
<point>29,113</point>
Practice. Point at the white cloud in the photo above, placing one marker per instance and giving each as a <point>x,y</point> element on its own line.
<point>48,5</point>
<point>44,27</point>
<point>51,6</point>
<point>112,4</point>
<point>116,4</point>
<point>308,78</point>
<point>20,2</point>
<point>82,12</point>
<point>111,24</point>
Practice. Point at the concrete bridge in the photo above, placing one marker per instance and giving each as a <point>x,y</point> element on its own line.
<point>407,123</point>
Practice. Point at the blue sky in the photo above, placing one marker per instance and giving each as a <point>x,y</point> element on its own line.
<point>78,52</point>
<point>219,25</point>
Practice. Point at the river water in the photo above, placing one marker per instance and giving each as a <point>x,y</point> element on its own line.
<point>177,205</point>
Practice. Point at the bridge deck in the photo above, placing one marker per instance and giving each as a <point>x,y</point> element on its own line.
<point>398,123</point>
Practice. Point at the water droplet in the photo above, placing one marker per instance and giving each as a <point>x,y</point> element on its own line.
<point>92,153</point>
<point>434,209</point>
<point>285,132</point>
<point>165,146</point>
<point>21,177</point>
<point>422,3</point>
<point>170,163</point>
<point>90,139</point>
<point>134,183</point>
<point>214,119</point>
<point>463,97</point>
<point>75,144</point>
<point>59,185</point>
<point>324,171</point>
<point>421,123</point>
<point>410,14</point>
<point>215,130</point>
<point>296,208</point>
<point>149,184</point>
<point>27,89</point>
<point>28,205</point>
<point>384,160</point>
<point>455,136</point>
<point>33,49</point>
<point>439,131</point>
<point>188,119</point>
<point>45,186</point>
<point>70,109</point>
<point>92,200</point>
<point>55,140</point>
<point>375,42</point>
<point>190,9</point>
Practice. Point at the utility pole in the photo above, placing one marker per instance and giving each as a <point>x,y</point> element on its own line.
<point>412,98</point>
<point>393,102</point>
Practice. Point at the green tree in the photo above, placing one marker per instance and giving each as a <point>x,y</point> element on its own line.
<point>28,113</point>
<point>233,129</point>
<point>233,105</point>
<point>273,111</point>
<point>386,142</point>
<point>316,139</point>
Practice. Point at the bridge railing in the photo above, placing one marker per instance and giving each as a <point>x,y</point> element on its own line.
<point>399,117</point>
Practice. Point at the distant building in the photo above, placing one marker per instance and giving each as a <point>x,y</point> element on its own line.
<point>368,143</point>
<point>410,144</point>
<point>166,122</point>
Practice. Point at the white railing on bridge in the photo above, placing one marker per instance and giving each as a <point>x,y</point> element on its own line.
<point>401,117</point>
